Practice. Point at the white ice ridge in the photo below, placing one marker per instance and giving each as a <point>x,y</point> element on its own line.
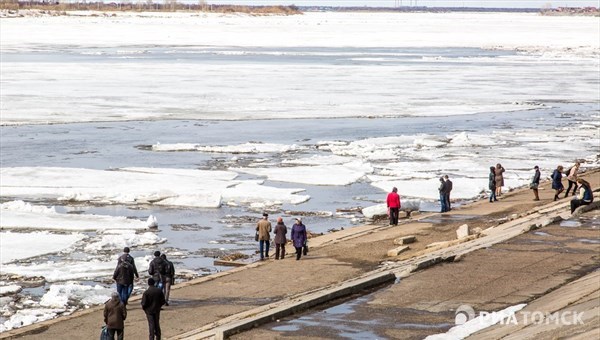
<point>330,174</point>
<point>22,215</point>
<point>526,30</point>
<point>27,317</point>
<point>160,186</point>
<point>18,246</point>
<point>250,147</point>
<point>61,295</point>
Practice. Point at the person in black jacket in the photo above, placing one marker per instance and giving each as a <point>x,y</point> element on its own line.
<point>443,189</point>
<point>157,269</point>
<point>168,278</point>
<point>123,276</point>
<point>448,190</point>
<point>492,184</point>
<point>152,300</point>
<point>535,182</point>
<point>129,259</point>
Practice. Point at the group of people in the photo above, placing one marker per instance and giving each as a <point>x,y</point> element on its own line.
<point>496,181</point>
<point>162,276</point>
<point>445,189</point>
<point>585,195</point>
<point>263,236</point>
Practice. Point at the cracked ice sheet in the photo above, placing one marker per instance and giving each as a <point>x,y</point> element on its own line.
<point>18,246</point>
<point>250,147</point>
<point>335,174</point>
<point>160,186</point>
<point>21,215</point>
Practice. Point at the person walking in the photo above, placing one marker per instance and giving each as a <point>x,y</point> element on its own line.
<point>448,190</point>
<point>535,182</point>
<point>393,204</point>
<point>157,269</point>
<point>123,276</point>
<point>263,227</point>
<point>152,300</point>
<point>280,240</point>
<point>499,172</point>
<point>572,178</point>
<point>557,182</point>
<point>585,196</point>
<point>442,189</point>
<point>299,237</point>
<point>168,278</point>
<point>128,258</point>
<point>492,184</point>
<point>115,314</point>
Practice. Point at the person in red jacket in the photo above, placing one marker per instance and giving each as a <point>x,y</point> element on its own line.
<point>393,203</point>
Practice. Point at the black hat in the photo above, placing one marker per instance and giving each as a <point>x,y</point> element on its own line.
<point>151,282</point>
<point>265,214</point>
<point>157,253</point>
<point>126,250</point>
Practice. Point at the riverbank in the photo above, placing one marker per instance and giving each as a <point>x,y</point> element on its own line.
<point>343,256</point>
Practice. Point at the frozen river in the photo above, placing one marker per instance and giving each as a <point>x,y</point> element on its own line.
<point>205,134</point>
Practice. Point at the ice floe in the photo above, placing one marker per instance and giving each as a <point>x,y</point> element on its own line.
<point>250,147</point>
<point>19,246</point>
<point>63,295</point>
<point>118,239</point>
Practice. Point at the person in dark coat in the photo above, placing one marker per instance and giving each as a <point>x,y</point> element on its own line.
<point>535,182</point>
<point>114,317</point>
<point>280,239</point>
<point>128,258</point>
<point>152,300</point>
<point>299,237</point>
<point>393,204</point>
<point>442,189</point>
<point>157,269</point>
<point>557,181</point>
<point>448,190</point>
<point>585,196</point>
<point>123,276</point>
<point>492,184</point>
<point>168,278</point>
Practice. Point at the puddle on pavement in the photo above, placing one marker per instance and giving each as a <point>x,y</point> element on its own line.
<point>586,240</point>
<point>570,224</point>
<point>541,233</point>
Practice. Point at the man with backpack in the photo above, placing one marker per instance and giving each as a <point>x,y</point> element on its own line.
<point>168,278</point>
<point>123,275</point>
<point>158,269</point>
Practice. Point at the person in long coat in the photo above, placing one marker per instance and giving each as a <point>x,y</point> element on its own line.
<point>492,184</point>
<point>499,172</point>
<point>572,178</point>
<point>535,182</point>
<point>557,181</point>
<point>299,237</point>
<point>280,239</point>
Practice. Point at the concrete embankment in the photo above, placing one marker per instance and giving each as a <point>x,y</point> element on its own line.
<point>339,264</point>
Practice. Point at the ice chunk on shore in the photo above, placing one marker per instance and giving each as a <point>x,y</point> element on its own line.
<point>27,317</point>
<point>63,295</point>
<point>381,209</point>
<point>10,289</point>
<point>18,246</point>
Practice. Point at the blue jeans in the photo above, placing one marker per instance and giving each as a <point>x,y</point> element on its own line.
<point>493,196</point>
<point>124,292</point>
<point>262,244</point>
<point>443,202</point>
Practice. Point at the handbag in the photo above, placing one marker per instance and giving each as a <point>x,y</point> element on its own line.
<point>256,236</point>
<point>104,333</point>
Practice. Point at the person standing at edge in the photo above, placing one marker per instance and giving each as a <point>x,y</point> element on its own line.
<point>557,181</point>
<point>152,300</point>
<point>442,189</point>
<point>393,204</point>
<point>264,237</point>
<point>535,182</point>
<point>157,269</point>
<point>168,278</point>
<point>114,317</point>
<point>572,178</point>
<point>585,195</point>
<point>129,258</point>
<point>123,276</point>
<point>492,184</point>
<point>280,240</point>
<point>499,172</point>
<point>448,190</point>
<point>298,237</point>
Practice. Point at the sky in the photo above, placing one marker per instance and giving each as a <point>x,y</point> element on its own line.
<point>429,3</point>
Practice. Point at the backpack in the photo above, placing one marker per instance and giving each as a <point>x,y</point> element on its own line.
<point>568,171</point>
<point>163,267</point>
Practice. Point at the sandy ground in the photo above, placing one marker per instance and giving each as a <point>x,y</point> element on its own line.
<point>485,278</point>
